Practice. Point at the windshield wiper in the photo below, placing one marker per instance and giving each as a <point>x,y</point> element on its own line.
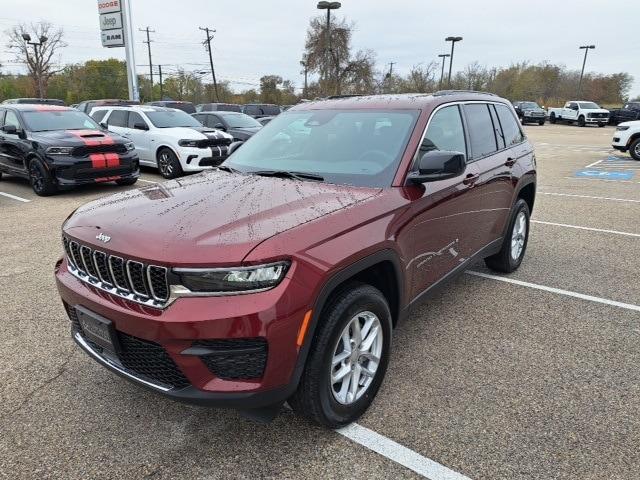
<point>286,174</point>
<point>226,168</point>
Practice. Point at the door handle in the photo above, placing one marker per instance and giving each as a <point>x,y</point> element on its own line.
<point>510,162</point>
<point>471,179</point>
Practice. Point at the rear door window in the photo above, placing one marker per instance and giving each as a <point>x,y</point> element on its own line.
<point>481,131</point>
<point>118,118</point>
<point>510,128</point>
<point>497,128</point>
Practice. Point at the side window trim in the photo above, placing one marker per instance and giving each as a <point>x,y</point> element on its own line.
<point>2,113</point>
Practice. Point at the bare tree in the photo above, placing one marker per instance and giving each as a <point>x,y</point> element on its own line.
<point>36,46</point>
<point>340,71</point>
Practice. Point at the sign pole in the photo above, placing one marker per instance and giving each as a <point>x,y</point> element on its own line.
<point>129,47</point>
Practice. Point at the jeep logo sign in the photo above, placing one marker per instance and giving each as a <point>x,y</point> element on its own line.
<point>110,21</point>
<point>103,238</point>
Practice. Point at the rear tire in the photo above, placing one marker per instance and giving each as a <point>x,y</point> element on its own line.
<point>168,164</point>
<point>634,149</point>
<point>581,121</point>
<point>322,395</point>
<point>41,180</point>
<point>514,245</point>
<point>541,122</point>
<point>125,182</point>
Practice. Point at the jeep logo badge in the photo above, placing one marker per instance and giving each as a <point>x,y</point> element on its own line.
<point>103,238</point>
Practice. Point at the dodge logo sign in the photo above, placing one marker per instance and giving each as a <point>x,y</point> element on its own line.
<point>103,238</point>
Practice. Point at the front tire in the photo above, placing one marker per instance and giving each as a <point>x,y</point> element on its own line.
<point>634,149</point>
<point>41,180</point>
<point>601,125</point>
<point>168,164</point>
<point>581,121</point>
<point>514,245</point>
<point>541,122</point>
<point>348,357</point>
<point>552,118</point>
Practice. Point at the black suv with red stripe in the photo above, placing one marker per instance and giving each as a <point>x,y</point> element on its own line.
<point>59,147</point>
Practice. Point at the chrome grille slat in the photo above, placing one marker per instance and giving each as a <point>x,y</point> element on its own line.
<point>135,274</point>
<point>129,279</point>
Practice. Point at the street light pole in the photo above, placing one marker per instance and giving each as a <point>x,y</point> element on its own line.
<point>586,49</point>
<point>443,56</point>
<point>453,41</point>
<point>328,6</point>
<point>27,38</point>
<point>306,72</point>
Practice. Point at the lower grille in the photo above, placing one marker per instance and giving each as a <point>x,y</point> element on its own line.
<point>140,357</point>
<point>235,359</point>
<point>211,162</point>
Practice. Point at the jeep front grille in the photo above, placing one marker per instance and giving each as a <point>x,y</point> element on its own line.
<point>130,279</point>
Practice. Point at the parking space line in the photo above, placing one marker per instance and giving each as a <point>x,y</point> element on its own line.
<point>600,230</point>
<point>600,179</point>
<point>594,163</point>
<point>590,196</point>
<point>399,454</point>
<point>146,181</point>
<point>559,291</point>
<point>14,197</point>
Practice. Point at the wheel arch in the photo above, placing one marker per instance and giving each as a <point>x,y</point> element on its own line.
<point>527,192</point>
<point>633,138</point>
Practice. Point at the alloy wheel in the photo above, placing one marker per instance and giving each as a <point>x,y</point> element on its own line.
<point>518,236</point>
<point>356,358</point>
<point>166,168</point>
<point>36,177</point>
<point>637,150</point>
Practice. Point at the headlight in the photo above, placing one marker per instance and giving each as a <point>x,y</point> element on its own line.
<point>60,150</point>
<point>621,129</point>
<point>233,280</point>
<point>130,146</point>
<point>189,143</point>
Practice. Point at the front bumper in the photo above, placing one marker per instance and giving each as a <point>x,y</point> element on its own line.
<point>597,120</point>
<point>73,171</point>
<point>189,321</point>
<point>199,159</point>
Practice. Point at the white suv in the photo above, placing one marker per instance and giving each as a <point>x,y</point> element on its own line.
<point>169,139</point>
<point>627,138</point>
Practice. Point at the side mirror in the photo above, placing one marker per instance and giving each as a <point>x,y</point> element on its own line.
<point>10,129</point>
<point>104,125</point>
<point>233,147</point>
<point>140,126</point>
<point>438,165</point>
<point>220,126</point>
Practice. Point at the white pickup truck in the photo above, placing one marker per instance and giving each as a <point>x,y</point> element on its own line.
<point>581,112</point>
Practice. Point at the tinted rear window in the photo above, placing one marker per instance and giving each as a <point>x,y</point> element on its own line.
<point>118,118</point>
<point>483,139</point>
<point>510,128</point>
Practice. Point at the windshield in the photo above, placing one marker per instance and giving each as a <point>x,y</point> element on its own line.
<point>44,120</point>
<point>353,147</point>
<point>588,105</point>
<point>529,105</point>
<point>172,118</point>
<point>240,120</point>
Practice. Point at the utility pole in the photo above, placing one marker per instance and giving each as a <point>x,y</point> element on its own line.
<point>443,56</point>
<point>306,72</point>
<point>586,49</point>
<point>160,74</point>
<point>207,44</point>
<point>148,42</point>
<point>389,76</point>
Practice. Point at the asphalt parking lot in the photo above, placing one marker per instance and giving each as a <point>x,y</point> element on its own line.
<point>530,376</point>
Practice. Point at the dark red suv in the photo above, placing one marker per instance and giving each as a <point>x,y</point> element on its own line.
<point>281,275</point>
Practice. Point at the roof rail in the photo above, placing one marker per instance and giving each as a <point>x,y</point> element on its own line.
<point>453,92</point>
<point>350,95</point>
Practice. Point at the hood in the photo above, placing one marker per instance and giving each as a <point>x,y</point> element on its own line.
<point>533,109</point>
<point>633,123</point>
<point>595,110</point>
<point>73,138</point>
<point>214,218</point>
<point>243,133</point>
<point>212,132</point>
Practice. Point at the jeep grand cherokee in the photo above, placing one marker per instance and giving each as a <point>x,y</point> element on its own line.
<point>281,275</point>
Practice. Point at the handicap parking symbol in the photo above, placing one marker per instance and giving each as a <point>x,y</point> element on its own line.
<point>606,174</point>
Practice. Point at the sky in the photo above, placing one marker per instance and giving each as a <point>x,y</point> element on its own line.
<point>255,38</point>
